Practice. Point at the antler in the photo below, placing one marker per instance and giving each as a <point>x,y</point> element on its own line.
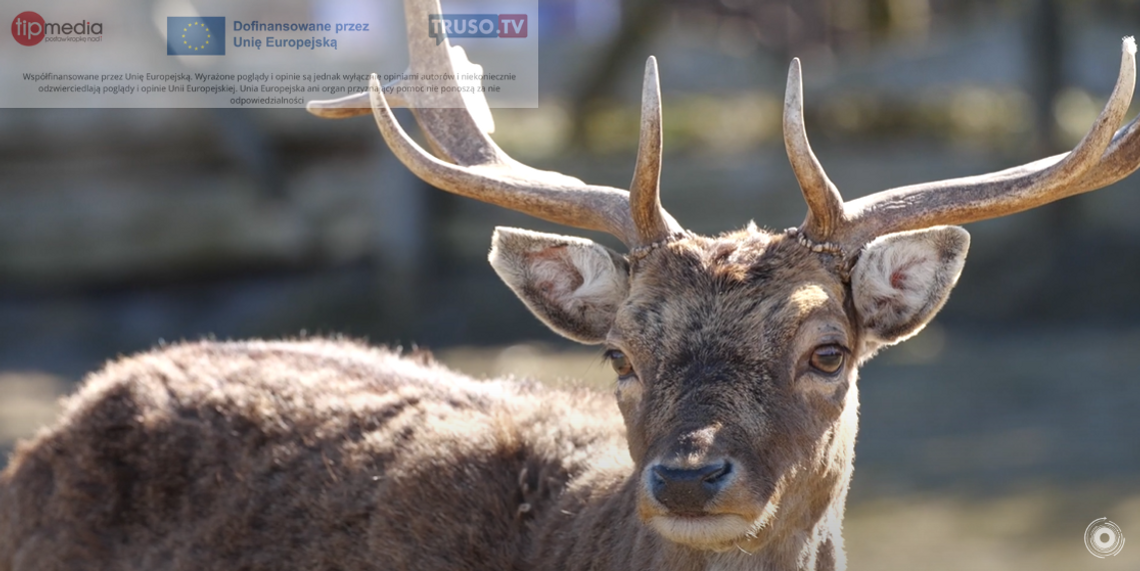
<point>825,205</point>
<point>477,168</point>
<point>1100,159</point>
<point>649,218</point>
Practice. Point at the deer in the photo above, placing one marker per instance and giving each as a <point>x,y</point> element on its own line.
<point>728,443</point>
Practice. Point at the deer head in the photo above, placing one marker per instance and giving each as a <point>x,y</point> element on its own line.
<point>736,355</point>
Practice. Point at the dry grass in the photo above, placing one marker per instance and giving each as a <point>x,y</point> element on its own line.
<point>1040,530</point>
<point>28,402</point>
<point>577,367</point>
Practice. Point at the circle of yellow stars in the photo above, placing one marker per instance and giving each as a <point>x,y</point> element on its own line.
<point>188,44</point>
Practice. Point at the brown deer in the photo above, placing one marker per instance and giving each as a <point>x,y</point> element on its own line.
<point>736,359</point>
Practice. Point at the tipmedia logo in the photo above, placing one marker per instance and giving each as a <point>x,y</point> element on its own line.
<point>442,26</point>
<point>30,29</point>
<point>195,36</point>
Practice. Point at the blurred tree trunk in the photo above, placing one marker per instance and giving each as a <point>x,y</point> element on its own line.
<point>640,21</point>
<point>1046,53</point>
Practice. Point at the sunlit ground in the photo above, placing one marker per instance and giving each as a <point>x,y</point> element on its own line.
<point>977,452</point>
<point>28,401</point>
<point>1034,529</point>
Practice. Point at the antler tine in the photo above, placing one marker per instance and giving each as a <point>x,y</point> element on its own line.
<point>649,218</point>
<point>825,205</point>
<point>1099,159</point>
<point>501,181</point>
<point>360,104</point>
<point>456,126</point>
<point>1120,160</point>
<point>351,105</point>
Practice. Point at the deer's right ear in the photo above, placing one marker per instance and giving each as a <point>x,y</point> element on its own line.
<point>572,284</point>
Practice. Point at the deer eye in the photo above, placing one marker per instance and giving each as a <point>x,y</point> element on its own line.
<point>828,358</point>
<point>620,363</point>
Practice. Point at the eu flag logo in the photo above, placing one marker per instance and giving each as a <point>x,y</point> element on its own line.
<point>195,36</point>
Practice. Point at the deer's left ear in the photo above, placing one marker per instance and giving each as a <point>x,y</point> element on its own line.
<point>572,284</point>
<point>901,281</point>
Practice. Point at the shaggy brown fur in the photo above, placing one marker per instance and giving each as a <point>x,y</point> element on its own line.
<point>324,454</point>
<point>298,455</point>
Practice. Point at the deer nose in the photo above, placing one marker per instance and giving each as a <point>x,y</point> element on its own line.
<point>686,491</point>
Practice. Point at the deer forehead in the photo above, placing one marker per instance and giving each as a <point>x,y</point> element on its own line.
<point>733,295</point>
<point>808,298</point>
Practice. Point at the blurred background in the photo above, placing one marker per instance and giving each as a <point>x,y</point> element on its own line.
<point>988,442</point>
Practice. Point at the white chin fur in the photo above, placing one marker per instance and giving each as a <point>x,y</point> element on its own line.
<point>708,532</point>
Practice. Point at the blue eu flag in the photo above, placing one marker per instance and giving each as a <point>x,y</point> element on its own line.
<point>195,36</point>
